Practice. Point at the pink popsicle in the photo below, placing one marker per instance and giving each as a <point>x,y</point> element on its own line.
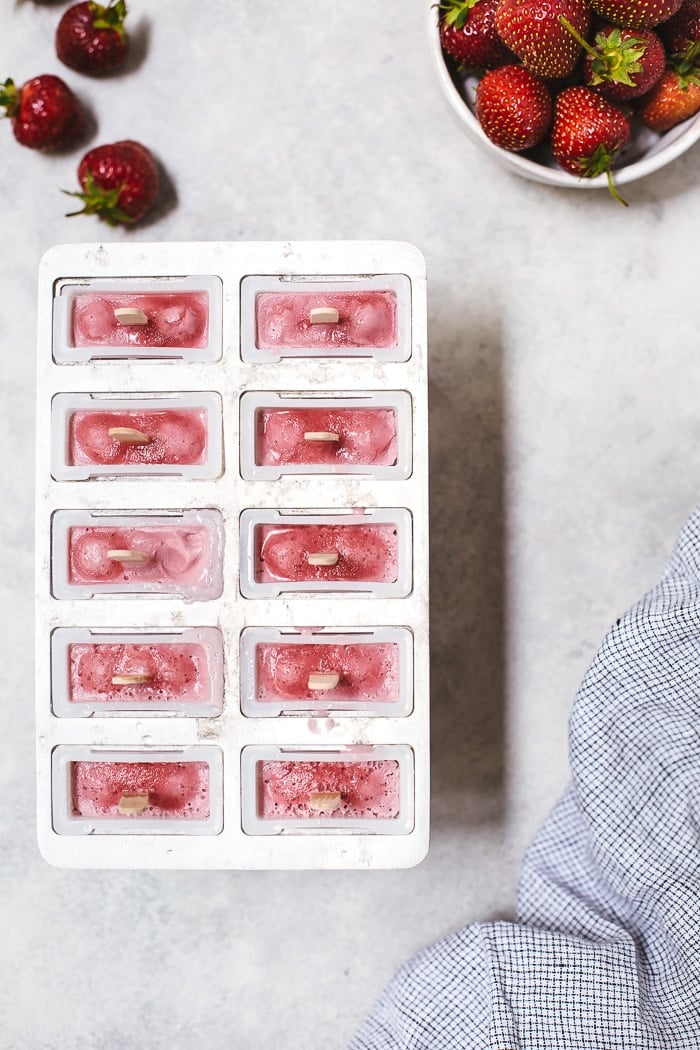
<point>172,790</point>
<point>365,319</point>
<point>368,671</point>
<point>174,671</point>
<point>175,436</point>
<point>365,553</point>
<point>174,319</point>
<point>172,555</point>
<point>365,436</point>
<point>322,790</point>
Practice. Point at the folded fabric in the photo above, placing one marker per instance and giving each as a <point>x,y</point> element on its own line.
<point>606,950</point>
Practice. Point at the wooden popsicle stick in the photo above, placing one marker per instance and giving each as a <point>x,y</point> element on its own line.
<point>323,558</point>
<point>324,801</point>
<point>323,315</point>
<point>133,802</point>
<point>130,315</point>
<point>129,557</point>
<point>319,680</point>
<point>130,679</point>
<point>320,435</point>
<point>129,436</point>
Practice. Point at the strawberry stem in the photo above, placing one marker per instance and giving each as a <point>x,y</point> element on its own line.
<point>456,12</point>
<point>110,17</point>
<point>577,36</point>
<point>614,190</point>
<point>100,202</point>
<point>9,98</point>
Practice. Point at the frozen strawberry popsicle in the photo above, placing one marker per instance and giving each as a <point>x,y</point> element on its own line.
<point>163,319</point>
<point>159,673</point>
<point>323,790</point>
<point>326,320</point>
<point>129,436</point>
<point>140,790</point>
<point>171,556</point>
<point>328,553</point>
<point>335,436</point>
<point>363,672</point>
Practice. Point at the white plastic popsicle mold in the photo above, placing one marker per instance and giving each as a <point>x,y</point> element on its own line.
<point>231,731</point>
<point>206,408</point>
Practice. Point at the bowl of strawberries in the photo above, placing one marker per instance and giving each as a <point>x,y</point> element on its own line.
<point>574,93</point>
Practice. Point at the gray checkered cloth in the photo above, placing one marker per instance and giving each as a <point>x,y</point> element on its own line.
<point>606,952</point>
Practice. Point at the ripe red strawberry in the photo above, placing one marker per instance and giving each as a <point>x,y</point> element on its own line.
<point>514,107</point>
<point>91,38</point>
<point>683,29</point>
<point>533,31</point>
<point>587,133</point>
<point>468,34</point>
<point>636,14</point>
<point>120,182</point>
<point>621,63</point>
<point>676,96</point>
<point>45,113</point>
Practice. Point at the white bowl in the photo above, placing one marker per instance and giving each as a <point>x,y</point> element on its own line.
<point>647,151</point>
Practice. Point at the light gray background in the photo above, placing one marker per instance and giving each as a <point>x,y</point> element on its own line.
<point>565,455</point>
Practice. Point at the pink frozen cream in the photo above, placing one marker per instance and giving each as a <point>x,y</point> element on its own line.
<point>361,672</point>
<point>138,438</point>
<point>326,553</point>
<point>333,436</point>
<point>305,790</point>
<point>140,790</point>
<point>159,673</point>
<point>172,319</point>
<point>167,555</point>
<point>365,319</point>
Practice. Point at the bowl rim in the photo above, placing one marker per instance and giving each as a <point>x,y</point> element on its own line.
<point>530,169</point>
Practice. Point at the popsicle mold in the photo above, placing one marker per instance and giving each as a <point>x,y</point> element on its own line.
<point>323,317</point>
<point>326,672</point>
<point>137,318</point>
<point>332,552</point>
<point>369,434</point>
<point>366,789</point>
<point>138,554</point>
<point>109,673</point>
<point>98,791</point>
<point>159,436</point>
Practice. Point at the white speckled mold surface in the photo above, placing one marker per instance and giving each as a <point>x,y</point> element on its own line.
<point>222,735</point>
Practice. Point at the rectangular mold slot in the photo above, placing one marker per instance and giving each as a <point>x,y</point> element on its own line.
<point>153,435</point>
<point>320,317</point>
<point>328,671</point>
<point>361,789</point>
<point>368,433</point>
<point>163,673</point>
<point>176,791</point>
<point>326,552</point>
<point>137,318</point>
<point>135,553</point>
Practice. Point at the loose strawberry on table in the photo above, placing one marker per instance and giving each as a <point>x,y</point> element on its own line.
<point>44,112</point>
<point>119,182</point>
<point>514,107</point>
<point>532,29</point>
<point>636,14</point>
<point>91,37</point>
<point>587,133</point>
<point>468,34</point>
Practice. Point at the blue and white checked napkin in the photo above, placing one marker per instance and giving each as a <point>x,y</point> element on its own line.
<point>606,951</point>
